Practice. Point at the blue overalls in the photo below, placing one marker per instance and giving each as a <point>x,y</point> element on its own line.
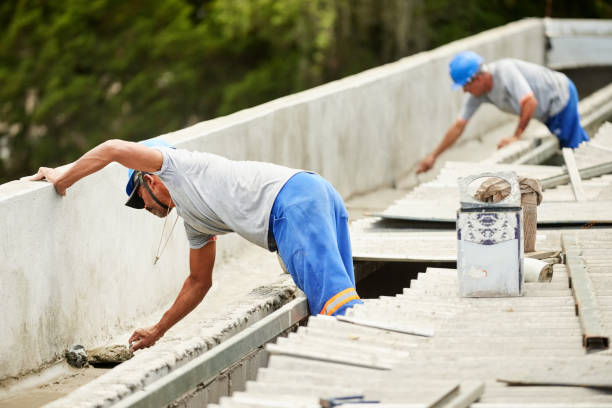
<point>566,124</point>
<point>310,228</point>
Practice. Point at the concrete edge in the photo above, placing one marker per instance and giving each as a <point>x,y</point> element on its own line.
<point>208,365</point>
<point>149,366</point>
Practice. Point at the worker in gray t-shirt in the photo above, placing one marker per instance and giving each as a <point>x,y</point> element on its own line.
<point>297,213</point>
<point>525,89</point>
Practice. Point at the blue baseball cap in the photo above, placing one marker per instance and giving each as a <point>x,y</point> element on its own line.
<point>135,177</point>
<point>463,67</point>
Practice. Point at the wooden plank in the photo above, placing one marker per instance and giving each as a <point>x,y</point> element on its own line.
<point>601,382</point>
<point>572,170</point>
<point>591,320</point>
<point>469,392</point>
<point>585,173</point>
<point>587,372</point>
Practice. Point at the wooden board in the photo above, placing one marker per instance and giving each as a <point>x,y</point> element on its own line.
<point>572,170</point>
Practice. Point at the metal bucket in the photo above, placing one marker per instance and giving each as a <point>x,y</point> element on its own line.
<point>490,241</point>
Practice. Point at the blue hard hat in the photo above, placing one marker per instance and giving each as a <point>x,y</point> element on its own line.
<point>463,67</point>
<point>134,199</point>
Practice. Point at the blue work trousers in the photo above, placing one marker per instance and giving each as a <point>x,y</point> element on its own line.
<point>310,228</point>
<point>566,124</point>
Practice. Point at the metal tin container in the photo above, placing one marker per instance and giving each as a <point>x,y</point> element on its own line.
<point>490,241</point>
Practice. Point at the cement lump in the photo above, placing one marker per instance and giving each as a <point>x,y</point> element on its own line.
<point>109,356</point>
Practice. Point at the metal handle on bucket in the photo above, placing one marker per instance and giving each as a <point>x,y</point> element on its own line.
<point>512,201</point>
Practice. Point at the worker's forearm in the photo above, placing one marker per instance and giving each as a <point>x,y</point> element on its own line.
<point>450,138</point>
<point>522,125</point>
<point>92,161</point>
<point>528,108</point>
<point>188,298</point>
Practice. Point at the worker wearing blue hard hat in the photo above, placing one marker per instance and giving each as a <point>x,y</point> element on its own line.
<point>293,212</point>
<point>137,178</point>
<point>523,88</point>
<point>463,68</point>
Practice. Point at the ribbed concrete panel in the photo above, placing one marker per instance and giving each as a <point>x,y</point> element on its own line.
<point>475,341</point>
<point>387,239</point>
<point>438,201</point>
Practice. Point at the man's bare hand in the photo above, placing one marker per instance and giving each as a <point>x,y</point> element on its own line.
<point>506,141</point>
<point>143,338</point>
<point>49,174</point>
<point>426,164</point>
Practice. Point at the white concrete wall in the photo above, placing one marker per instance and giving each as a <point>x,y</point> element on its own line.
<point>79,269</point>
<point>575,43</point>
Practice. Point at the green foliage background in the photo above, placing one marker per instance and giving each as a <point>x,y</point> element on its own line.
<point>74,73</point>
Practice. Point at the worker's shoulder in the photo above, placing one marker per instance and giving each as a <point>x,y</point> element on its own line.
<point>184,154</point>
<point>521,65</point>
<point>192,161</point>
<point>505,63</point>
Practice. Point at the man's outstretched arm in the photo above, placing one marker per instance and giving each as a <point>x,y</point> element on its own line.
<point>131,155</point>
<point>197,284</point>
<point>529,105</point>
<point>451,136</point>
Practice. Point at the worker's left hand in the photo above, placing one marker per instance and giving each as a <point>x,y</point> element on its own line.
<point>426,164</point>
<point>506,141</point>
<point>143,338</point>
<point>49,174</point>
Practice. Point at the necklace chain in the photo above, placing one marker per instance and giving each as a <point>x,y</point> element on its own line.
<point>159,253</point>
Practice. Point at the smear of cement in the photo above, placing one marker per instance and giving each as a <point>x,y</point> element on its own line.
<point>109,356</point>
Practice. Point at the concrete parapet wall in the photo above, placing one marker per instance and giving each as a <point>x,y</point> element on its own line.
<point>79,269</point>
<point>578,43</point>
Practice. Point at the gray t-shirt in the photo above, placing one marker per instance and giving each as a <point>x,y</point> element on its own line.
<point>514,79</point>
<point>215,195</point>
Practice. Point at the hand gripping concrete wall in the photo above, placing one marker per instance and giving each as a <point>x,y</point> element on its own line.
<point>79,269</point>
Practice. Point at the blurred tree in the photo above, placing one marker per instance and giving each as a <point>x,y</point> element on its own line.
<point>74,73</point>
<point>286,46</point>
